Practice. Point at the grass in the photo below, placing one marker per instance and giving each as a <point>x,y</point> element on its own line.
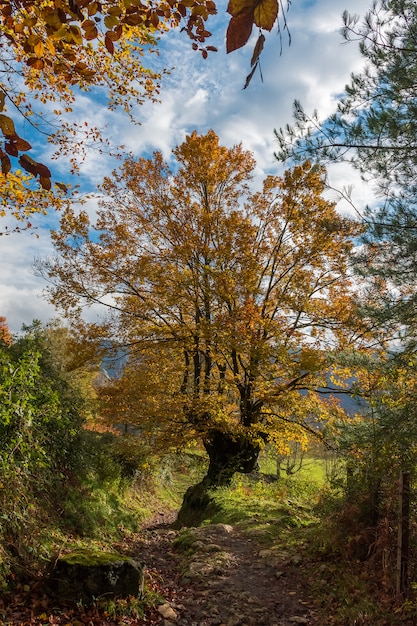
<point>297,514</point>
<point>294,513</point>
<point>257,505</point>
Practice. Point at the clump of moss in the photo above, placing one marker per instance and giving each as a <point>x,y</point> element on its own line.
<point>87,557</point>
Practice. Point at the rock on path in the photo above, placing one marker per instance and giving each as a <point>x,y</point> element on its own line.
<point>217,576</point>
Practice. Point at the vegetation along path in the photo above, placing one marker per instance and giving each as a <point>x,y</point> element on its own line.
<point>209,576</point>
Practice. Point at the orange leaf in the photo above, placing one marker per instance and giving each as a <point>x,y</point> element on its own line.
<point>7,126</point>
<point>115,34</point>
<point>238,31</point>
<point>92,8</point>
<point>62,187</point>
<point>5,163</point>
<point>249,76</point>
<point>22,144</point>
<point>258,49</point>
<point>45,182</point>
<point>266,13</point>
<point>36,64</point>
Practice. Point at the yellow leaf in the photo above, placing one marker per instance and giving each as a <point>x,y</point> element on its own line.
<point>39,49</point>
<point>266,13</point>
<point>110,21</point>
<point>61,33</point>
<point>237,7</point>
<point>92,9</point>
<point>115,11</point>
<point>50,46</point>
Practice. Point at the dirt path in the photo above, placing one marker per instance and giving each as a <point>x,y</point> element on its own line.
<point>209,576</point>
<point>217,576</point>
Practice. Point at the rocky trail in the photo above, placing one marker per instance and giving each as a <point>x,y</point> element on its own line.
<point>209,576</point>
<point>217,576</point>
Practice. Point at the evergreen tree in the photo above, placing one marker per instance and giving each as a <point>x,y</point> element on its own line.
<point>375,129</point>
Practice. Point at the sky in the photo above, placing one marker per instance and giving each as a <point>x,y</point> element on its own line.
<point>200,95</point>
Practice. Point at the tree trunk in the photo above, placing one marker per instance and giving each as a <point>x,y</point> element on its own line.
<point>228,454</point>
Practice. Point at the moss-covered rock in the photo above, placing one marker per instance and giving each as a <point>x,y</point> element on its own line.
<point>83,575</point>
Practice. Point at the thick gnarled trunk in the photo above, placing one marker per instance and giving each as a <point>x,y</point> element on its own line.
<point>228,453</point>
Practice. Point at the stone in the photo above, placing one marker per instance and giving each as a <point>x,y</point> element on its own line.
<point>210,547</point>
<point>296,559</point>
<point>167,612</point>
<point>83,575</point>
<point>199,568</point>
<point>225,528</point>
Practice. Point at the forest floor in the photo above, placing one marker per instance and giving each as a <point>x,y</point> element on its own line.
<point>214,575</point>
<point>218,574</point>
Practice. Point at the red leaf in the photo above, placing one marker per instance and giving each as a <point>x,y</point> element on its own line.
<point>43,171</point>
<point>11,149</point>
<point>109,44</point>
<point>28,164</point>
<point>22,144</point>
<point>33,167</point>
<point>239,31</point>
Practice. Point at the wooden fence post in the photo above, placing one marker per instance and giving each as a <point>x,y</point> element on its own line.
<point>403,533</point>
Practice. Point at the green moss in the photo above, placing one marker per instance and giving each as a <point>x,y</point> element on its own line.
<point>92,557</point>
<point>184,541</point>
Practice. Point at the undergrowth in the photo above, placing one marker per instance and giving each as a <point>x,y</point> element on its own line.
<point>108,500</point>
<point>309,517</point>
<point>251,504</point>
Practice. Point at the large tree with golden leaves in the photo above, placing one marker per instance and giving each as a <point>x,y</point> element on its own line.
<point>225,299</point>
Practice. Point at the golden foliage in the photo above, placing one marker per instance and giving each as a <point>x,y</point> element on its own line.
<point>245,14</point>
<point>5,335</point>
<point>48,47</point>
<point>228,301</point>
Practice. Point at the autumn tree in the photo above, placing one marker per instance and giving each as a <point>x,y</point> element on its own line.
<point>5,336</point>
<point>225,299</point>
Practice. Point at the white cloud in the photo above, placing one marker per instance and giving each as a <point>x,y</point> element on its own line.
<point>20,289</point>
<point>202,94</point>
